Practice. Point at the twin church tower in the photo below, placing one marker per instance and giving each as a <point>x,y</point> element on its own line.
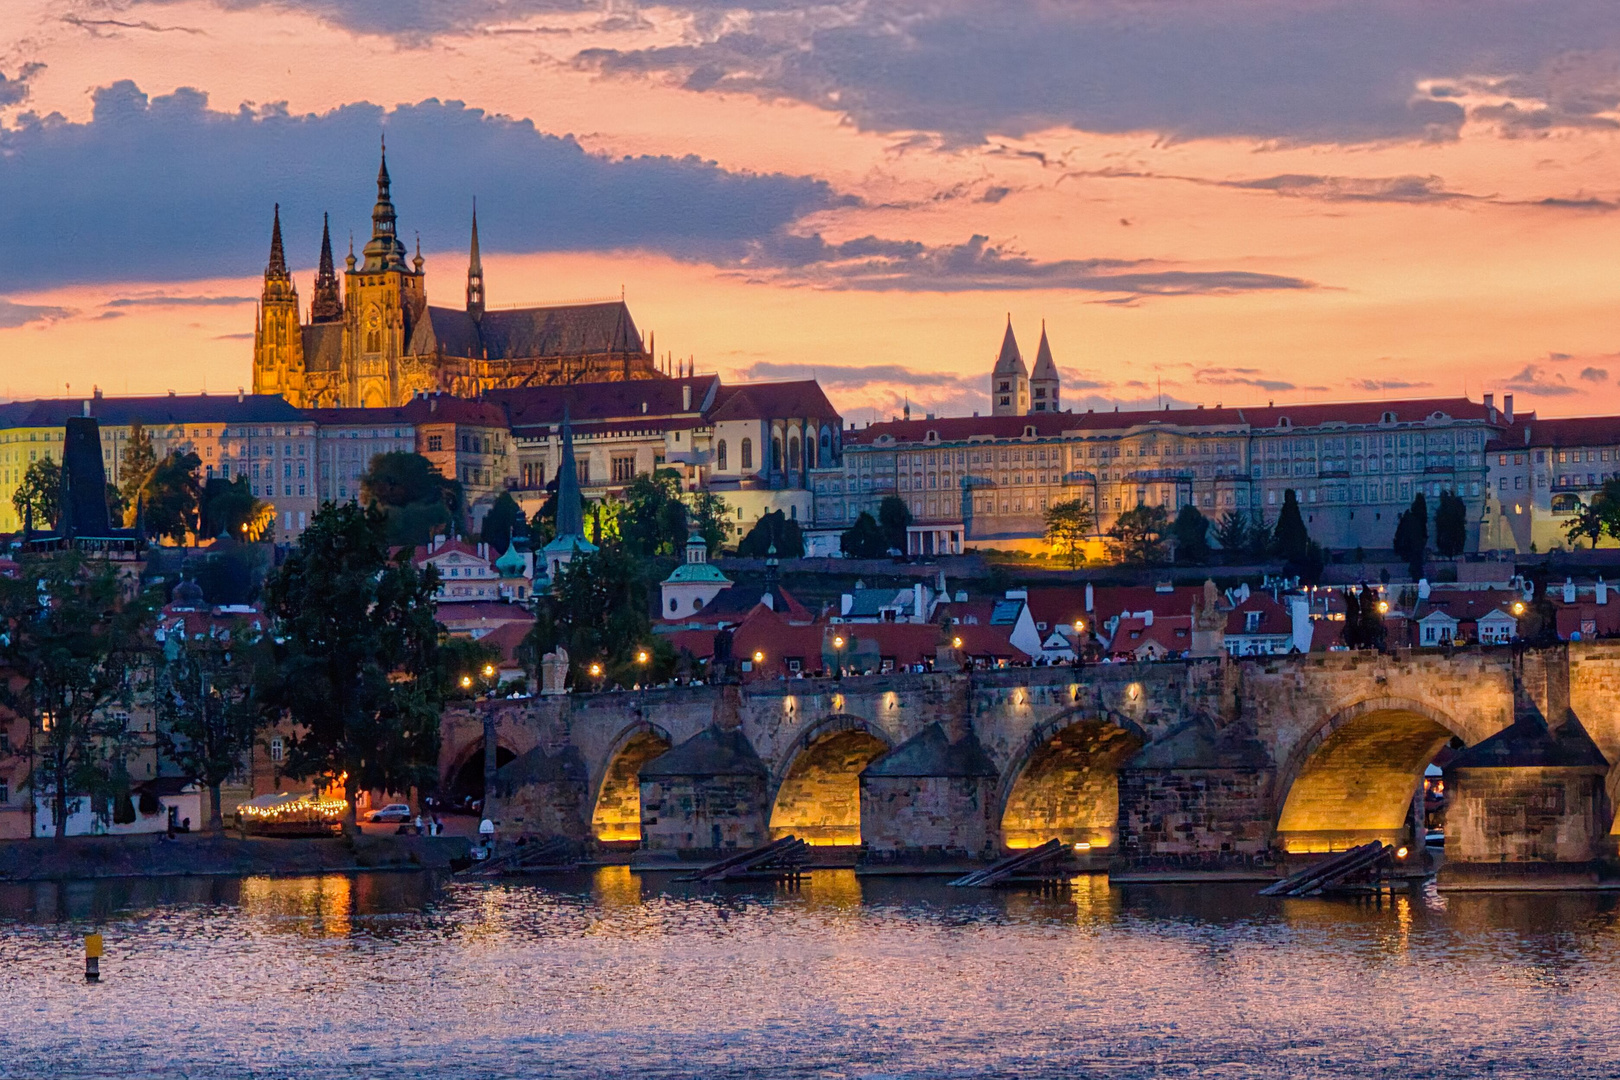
<point>1014,389</point>
<point>380,343</point>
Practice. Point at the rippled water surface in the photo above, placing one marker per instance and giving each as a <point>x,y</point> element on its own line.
<point>613,974</point>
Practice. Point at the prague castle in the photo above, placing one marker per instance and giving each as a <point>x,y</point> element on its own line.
<point>380,343</point>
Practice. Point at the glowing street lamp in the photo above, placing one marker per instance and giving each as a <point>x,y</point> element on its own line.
<point>466,682</point>
<point>1383,607</point>
<point>838,656</point>
<point>759,656</point>
<point>1518,607</point>
<point>489,671</point>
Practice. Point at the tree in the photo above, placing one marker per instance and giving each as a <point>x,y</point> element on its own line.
<point>1191,530</point>
<point>1261,534</point>
<point>1412,534</point>
<point>710,518</point>
<point>1068,524</point>
<point>136,465</point>
<point>773,529</point>
<point>1609,506</point>
<point>1291,539</point>
<point>1137,535</point>
<point>1587,522</point>
<point>72,641</point>
<point>356,666</point>
<point>502,520</point>
<point>40,492</point>
<point>229,508</point>
<point>597,610</point>
<point>1232,533</point>
<point>894,517</point>
<point>207,716</point>
<point>653,519</point>
<point>418,501</point>
<point>173,497</point>
<point>1451,526</point>
<point>864,539</point>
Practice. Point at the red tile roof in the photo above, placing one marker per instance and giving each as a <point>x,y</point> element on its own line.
<point>1560,431</point>
<point>604,402</point>
<point>435,409</point>
<point>774,401</point>
<point>1274,617</point>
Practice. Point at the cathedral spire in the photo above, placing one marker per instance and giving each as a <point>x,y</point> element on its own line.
<point>326,305</point>
<point>475,273</point>
<point>277,268</point>
<point>384,251</point>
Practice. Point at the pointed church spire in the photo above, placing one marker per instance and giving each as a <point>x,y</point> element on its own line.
<point>277,268</point>
<point>570,505</point>
<point>326,305</point>
<point>1009,379</point>
<point>1044,383</point>
<point>384,251</point>
<point>475,273</point>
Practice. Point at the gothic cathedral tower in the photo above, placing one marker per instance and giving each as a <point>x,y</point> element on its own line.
<point>278,343</point>
<point>383,300</point>
<point>1009,380</point>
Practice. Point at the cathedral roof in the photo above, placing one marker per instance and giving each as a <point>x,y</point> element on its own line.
<point>1010,361</point>
<point>323,346</point>
<point>518,333</point>
<point>772,401</point>
<point>1044,367</point>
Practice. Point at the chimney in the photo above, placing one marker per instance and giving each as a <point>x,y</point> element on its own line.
<point>917,612</point>
<point>686,398</point>
<point>95,392</point>
<point>1507,407</point>
<point>240,394</point>
<point>433,404</point>
<point>1569,590</point>
<point>1089,598</point>
<point>1602,590</point>
<point>85,407</point>
<point>1490,407</point>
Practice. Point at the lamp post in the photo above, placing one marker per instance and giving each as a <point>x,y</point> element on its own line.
<point>838,657</point>
<point>595,672</point>
<point>1079,633</point>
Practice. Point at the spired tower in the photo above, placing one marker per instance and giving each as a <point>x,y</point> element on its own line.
<point>326,306</point>
<point>1043,381</point>
<point>1009,381</point>
<point>278,343</point>
<point>475,274</point>
<point>384,298</point>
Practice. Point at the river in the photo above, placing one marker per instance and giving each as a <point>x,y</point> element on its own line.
<point>613,974</point>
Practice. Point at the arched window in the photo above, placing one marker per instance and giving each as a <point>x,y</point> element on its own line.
<point>720,456</point>
<point>776,455</point>
<point>793,453</point>
<point>748,453</point>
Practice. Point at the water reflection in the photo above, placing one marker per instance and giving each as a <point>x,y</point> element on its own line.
<point>612,973</point>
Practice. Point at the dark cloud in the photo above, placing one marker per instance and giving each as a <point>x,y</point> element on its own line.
<point>872,264</point>
<point>417,21</point>
<point>245,336</point>
<point>13,91</point>
<point>1534,379</point>
<point>1399,189</point>
<point>856,375</point>
<point>180,301</point>
<point>15,314</point>
<point>1375,385</point>
<point>1336,71</point>
<point>175,191</point>
<point>111,27</point>
<point>1240,377</point>
<point>1595,374</point>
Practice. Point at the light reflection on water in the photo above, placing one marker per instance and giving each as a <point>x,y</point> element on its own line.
<point>612,973</point>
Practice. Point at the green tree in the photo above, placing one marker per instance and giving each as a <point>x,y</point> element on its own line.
<point>1232,533</point>
<point>1412,534</point>
<point>774,528</point>
<point>1291,539</point>
<point>864,539</point>
<point>653,520</point>
<point>467,667</point>
<point>1608,503</point>
<point>115,505</point>
<point>598,610</point>
<point>72,641</point>
<point>501,521</point>
<point>1587,522</point>
<point>710,518</point>
<point>418,501</point>
<point>207,716</point>
<point>1451,526</point>
<point>356,666</point>
<point>136,465</point>
<point>40,491</point>
<point>1068,524</point>
<point>229,508</point>
<point>894,517</point>
<point>173,497</point>
<point>1261,535</point>
<point>1137,535</point>
<point>1191,530</point>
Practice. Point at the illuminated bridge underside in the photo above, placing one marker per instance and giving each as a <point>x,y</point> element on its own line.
<point>1359,783</point>
<point>618,808</point>
<point>1070,788</point>
<point>820,799</point>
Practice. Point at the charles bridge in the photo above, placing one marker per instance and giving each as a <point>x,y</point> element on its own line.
<point>1203,764</point>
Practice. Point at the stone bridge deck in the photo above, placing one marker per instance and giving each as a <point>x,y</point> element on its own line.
<point>1204,762</point>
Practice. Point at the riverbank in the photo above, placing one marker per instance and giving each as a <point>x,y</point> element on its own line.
<point>91,857</point>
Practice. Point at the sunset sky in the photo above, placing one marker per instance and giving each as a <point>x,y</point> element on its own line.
<point>1232,202</point>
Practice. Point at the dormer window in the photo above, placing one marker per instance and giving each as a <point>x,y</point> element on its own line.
<point>1282,422</point>
<point>1029,431</point>
<point>1251,621</point>
<point>1389,418</point>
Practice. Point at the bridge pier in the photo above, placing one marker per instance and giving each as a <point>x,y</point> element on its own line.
<point>704,796</point>
<point>930,799</point>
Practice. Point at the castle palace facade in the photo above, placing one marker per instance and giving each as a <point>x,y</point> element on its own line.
<point>380,343</point>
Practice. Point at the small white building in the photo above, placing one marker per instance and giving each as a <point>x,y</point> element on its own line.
<point>693,583</point>
<point>467,573</point>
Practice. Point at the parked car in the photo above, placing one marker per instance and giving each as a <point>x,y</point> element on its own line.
<point>392,812</point>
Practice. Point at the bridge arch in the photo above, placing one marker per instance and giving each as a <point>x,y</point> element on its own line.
<point>1064,781</point>
<point>1353,779</point>
<point>616,795</point>
<point>816,795</point>
<point>464,778</point>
